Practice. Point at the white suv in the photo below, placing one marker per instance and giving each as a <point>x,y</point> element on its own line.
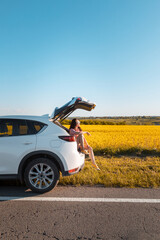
<point>34,149</point>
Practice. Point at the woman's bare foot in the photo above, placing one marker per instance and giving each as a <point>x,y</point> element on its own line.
<point>85,151</point>
<point>95,166</point>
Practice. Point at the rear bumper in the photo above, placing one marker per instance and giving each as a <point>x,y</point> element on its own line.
<point>72,160</point>
<point>73,171</point>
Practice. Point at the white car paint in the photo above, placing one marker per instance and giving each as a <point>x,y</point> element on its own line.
<point>14,148</point>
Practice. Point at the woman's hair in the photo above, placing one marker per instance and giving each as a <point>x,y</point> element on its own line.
<point>74,123</point>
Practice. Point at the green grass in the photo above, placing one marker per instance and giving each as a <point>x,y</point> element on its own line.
<point>118,172</point>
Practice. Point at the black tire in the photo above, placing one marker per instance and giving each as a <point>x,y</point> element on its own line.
<point>41,181</point>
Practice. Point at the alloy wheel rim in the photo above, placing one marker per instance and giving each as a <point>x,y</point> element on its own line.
<point>41,176</point>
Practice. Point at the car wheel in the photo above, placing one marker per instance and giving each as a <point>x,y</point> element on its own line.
<point>41,175</point>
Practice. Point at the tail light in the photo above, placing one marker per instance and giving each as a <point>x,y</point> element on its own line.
<point>73,170</point>
<point>68,138</point>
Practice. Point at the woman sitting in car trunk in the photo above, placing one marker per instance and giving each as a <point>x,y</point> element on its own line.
<point>82,145</point>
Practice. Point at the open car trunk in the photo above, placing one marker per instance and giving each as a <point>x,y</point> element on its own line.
<point>63,112</point>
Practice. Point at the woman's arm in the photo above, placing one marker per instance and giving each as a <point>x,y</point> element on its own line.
<point>73,132</point>
<point>86,133</point>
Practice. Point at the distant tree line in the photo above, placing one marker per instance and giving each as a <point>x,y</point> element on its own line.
<point>135,120</point>
<point>95,122</point>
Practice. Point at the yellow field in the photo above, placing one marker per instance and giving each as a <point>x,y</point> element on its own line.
<point>123,139</point>
<point>121,153</point>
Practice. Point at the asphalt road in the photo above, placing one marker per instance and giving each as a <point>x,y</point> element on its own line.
<point>36,220</point>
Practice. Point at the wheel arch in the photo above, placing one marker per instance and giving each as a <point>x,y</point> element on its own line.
<point>37,154</point>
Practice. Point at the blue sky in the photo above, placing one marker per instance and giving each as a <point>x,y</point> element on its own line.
<point>105,50</point>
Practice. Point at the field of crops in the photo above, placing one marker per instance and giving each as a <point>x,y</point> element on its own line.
<point>122,140</point>
<point>128,156</point>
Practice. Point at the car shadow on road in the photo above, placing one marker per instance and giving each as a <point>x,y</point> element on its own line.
<point>15,189</point>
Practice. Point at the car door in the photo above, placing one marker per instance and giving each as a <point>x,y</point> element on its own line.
<point>15,142</point>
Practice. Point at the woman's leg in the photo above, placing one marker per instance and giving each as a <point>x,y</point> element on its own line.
<point>80,141</point>
<point>91,154</point>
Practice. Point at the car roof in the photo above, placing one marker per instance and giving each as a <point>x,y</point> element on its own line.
<point>44,118</point>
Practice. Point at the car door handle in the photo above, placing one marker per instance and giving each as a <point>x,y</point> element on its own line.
<point>27,143</point>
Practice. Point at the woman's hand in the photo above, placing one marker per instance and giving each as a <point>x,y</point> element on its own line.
<point>88,134</point>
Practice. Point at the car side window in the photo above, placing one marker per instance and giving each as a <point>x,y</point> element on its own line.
<point>22,128</point>
<point>18,127</point>
<point>6,128</point>
<point>38,126</point>
<point>35,126</point>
